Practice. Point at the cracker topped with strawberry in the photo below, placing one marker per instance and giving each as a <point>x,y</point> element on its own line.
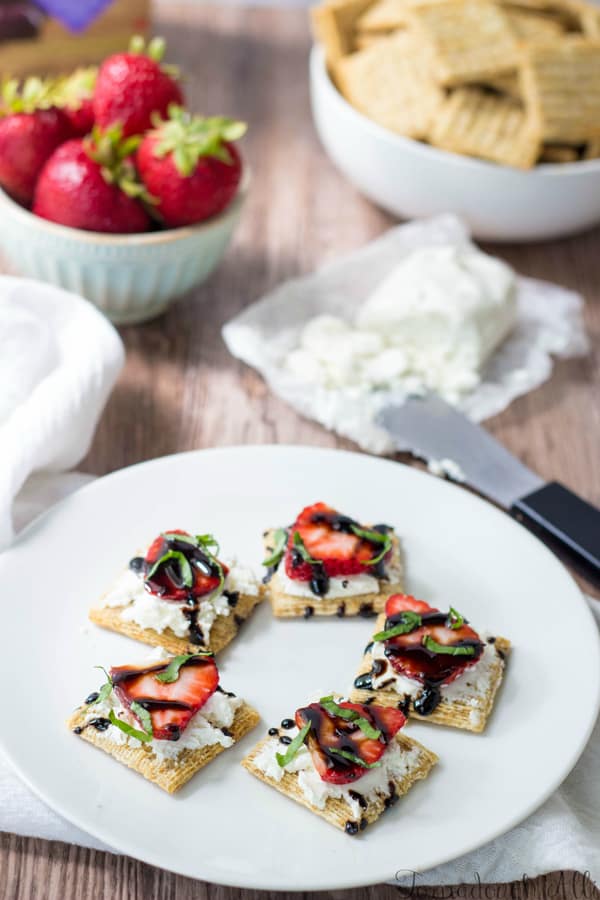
<point>327,563</point>
<point>347,762</point>
<point>181,595</point>
<point>432,664</point>
<point>166,717</point>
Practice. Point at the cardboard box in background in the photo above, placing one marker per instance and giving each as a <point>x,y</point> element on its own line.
<point>56,49</point>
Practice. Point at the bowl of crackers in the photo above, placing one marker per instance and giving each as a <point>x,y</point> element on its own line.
<point>489,109</point>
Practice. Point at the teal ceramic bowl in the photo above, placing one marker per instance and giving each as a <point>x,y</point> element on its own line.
<point>131,278</point>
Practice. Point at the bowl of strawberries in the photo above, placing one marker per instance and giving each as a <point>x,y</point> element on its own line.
<point>112,189</point>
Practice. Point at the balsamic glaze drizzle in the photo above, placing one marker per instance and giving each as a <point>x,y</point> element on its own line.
<point>345,732</point>
<point>198,559</point>
<point>232,598</point>
<point>358,798</point>
<point>100,724</point>
<point>430,696</point>
<point>125,673</point>
<point>319,581</point>
<point>224,692</point>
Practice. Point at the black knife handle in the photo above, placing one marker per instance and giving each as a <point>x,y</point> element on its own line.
<point>571,521</point>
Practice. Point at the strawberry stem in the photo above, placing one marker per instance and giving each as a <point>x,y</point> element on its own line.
<point>189,138</point>
<point>33,94</point>
<point>113,155</point>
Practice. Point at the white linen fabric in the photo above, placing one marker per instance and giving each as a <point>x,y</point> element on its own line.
<point>563,834</point>
<point>59,360</point>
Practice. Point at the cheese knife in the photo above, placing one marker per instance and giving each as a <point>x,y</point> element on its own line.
<point>433,429</point>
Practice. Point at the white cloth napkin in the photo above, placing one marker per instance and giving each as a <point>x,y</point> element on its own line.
<point>59,359</point>
<point>564,833</point>
<point>549,324</point>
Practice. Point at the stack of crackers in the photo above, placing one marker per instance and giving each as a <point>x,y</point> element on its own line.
<point>515,82</point>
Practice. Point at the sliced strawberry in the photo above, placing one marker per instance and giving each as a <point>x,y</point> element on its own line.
<point>398,603</point>
<point>328,537</point>
<point>330,733</point>
<point>407,653</point>
<point>171,706</point>
<point>163,582</point>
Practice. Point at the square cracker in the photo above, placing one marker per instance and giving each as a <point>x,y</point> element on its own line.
<point>561,86</point>
<point>468,39</point>
<point>223,630</point>
<point>477,123</point>
<point>590,21</point>
<point>592,150</point>
<point>509,83</point>
<point>367,39</point>
<point>567,13</point>
<point>333,25</point>
<point>391,83</point>
<point>455,713</point>
<point>558,153</point>
<point>382,17</point>
<point>529,25</point>
<point>388,15</point>
<point>366,605</point>
<point>336,811</point>
<point>168,774</point>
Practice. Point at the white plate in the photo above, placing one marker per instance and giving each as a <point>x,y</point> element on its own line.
<point>225,826</point>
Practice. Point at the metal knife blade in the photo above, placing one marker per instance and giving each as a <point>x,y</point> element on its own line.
<point>435,430</point>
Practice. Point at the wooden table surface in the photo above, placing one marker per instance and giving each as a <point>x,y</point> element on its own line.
<point>181,390</point>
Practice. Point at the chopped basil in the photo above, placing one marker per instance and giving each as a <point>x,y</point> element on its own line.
<point>355,759</point>
<point>448,649</point>
<point>410,621</point>
<point>105,690</point>
<point>279,542</point>
<point>144,716</point>
<point>171,673</point>
<point>455,620</point>
<point>202,540</point>
<point>128,729</point>
<point>375,537</point>
<point>350,715</point>
<point>174,536</point>
<point>299,546</point>
<point>185,570</point>
<point>284,758</point>
<point>221,574</point>
<point>209,543</point>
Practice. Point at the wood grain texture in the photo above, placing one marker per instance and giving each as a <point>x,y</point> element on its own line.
<point>181,390</point>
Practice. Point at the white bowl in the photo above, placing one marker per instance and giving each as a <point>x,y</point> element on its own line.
<point>131,277</point>
<point>411,179</point>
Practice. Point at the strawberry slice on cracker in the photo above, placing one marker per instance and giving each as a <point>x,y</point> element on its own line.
<point>345,739</point>
<point>425,644</point>
<point>178,565</point>
<point>164,697</point>
<point>337,544</point>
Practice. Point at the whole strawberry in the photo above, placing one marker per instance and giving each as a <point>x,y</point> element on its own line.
<point>90,183</point>
<point>131,86</point>
<point>190,167</point>
<point>31,128</point>
<point>74,95</point>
